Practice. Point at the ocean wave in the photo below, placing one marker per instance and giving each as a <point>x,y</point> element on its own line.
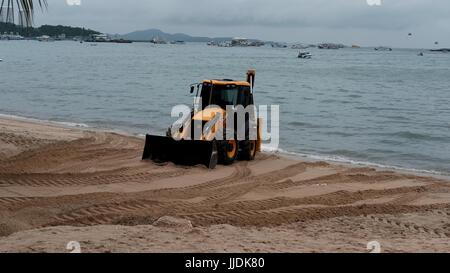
<point>304,124</point>
<point>348,161</point>
<point>63,123</point>
<point>265,148</point>
<point>415,136</point>
<point>71,124</point>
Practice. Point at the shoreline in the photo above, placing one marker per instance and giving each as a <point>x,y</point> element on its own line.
<point>293,155</point>
<point>204,43</point>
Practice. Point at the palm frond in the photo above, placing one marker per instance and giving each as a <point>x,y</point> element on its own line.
<point>25,10</point>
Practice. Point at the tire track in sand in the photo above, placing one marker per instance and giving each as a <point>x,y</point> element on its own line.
<point>64,180</point>
<point>409,227</point>
<point>91,148</point>
<point>291,215</point>
<point>15,201</point>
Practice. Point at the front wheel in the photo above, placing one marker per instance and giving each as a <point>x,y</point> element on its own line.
<point>228,152</point>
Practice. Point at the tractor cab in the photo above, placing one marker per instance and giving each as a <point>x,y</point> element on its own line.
<point>225,93</point>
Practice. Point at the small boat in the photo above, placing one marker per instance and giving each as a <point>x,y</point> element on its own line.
<point>330,46</point>
<point>158,41</point>
<point>45,38</point>
<point>383,48</point>
<point>121,41</point>
<point>444,50</point>
<point>178,42</point>
<point>305,55</point>
<point>1,60</point>
<point>278,45</point>
<point>299,46</point>
<point>420,54</point>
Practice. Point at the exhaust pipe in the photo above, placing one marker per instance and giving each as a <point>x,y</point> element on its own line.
<point>251,75</point>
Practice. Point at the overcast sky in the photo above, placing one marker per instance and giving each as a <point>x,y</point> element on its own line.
<point>346,21</point>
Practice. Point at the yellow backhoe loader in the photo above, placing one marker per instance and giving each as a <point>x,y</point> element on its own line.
<point>213,133</point>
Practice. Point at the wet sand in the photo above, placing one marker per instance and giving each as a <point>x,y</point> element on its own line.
<point>60,184</point>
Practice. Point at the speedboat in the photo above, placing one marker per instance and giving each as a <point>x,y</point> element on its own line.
<point>305,55</point>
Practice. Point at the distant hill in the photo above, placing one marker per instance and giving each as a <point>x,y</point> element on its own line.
<point>46,30</point>
<point>147,35</point>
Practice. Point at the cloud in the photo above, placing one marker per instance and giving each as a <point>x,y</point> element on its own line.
<point>394,14</point>
<point>261,16</point>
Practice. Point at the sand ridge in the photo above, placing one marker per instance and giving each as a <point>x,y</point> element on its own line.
<point>70,181</point>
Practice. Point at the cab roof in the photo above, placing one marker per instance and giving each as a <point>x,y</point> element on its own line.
<point>227,82</point>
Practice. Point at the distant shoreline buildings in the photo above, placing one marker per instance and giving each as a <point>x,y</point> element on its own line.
<point>11,36</point>
<point>10,31</point>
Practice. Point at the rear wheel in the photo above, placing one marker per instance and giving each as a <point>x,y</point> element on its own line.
<point>248,151</point>
<point>228,152</point>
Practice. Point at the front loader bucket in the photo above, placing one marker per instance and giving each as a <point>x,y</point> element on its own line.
<point>183,152</point>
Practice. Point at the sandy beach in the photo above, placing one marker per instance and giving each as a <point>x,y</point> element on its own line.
<point>61,184</point>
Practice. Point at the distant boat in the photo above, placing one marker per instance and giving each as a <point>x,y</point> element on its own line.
<point>330,46</point>
<point>420,54</point>
<point>383,48</point>
<point>299,46</point>
<point>121,41</point>
<point>178,42</point>
<point>278,45</point>
<point>158,41</point>
<point>444,50</point>
<point>305,55</point>
<point>1,60</point>
<point>356,46</point>
<point>225,44</point>
<point>45,38</point>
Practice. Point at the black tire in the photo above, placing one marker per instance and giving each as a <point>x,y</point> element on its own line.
<point>248,150</point>
<point>228,152</point>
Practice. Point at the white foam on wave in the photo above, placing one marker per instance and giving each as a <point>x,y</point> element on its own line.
<point>265,148</point>
<point>344,160</point>
<point>63,123</point>
<point>71,124</point>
